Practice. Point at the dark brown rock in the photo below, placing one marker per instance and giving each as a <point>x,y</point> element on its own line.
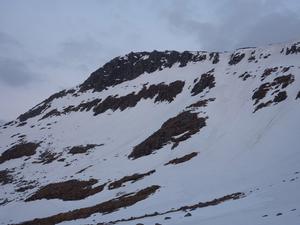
<point>185,124</point>
<point>298,95</point>
<point>283,81</point>
<point>261,92</point>
<point>25,188</point>
<point>207,80</point>
<point>5,177</point>
<point>262,105</point>
<point>267,72</point>
<point>129,67</point>
<point>133,178</point>
<point>294,49</point>
<point>47,157</point>
<point>163,92</point>
<point>104,207</point>
<point>213,202</point>
<point>252,56</point>
<point>285,69</point>
<point>40,108</point>
<point>18,151</point>
<point>281,96</point>
<point>53,112</point>
<point>200,103</point>
<point>245,76</point>
<point>214,56</point>
<point>80,149</point>
<point>182,159</point>
<point>68,190</point>
<point>235,58</point>
<point>276,85</point>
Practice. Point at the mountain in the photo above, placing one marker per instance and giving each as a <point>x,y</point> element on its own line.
<point>162,138</point>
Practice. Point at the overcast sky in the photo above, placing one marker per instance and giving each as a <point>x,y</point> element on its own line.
<point>46,46</point>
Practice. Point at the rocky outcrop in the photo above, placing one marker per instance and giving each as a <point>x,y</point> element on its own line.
<point>182,159</point>
<point>104,207</point>
<point>174,130</point>
<point>40,108</point>
<point>277,86</point>
<point>129,67</point>
<point>18,151</point>
<point>207,80</point>
<point>131,178</point>
<point>161,92</point>
<point>294,49</point>
<point>68,190</point>
<point>235,58</point>
<point>80,149</point>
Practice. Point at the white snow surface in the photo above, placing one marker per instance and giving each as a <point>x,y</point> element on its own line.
<point>239,151</point>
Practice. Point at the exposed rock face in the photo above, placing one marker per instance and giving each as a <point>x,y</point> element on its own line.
<point>68,190</point>
<point>47,157</point>
<point>245,76</point>
<point>37,110</point>
<point>104,207</point>
<point>207,80</point>
<point>126,68</point>
<point>80,149</point>
<point>281,96</point>
<point>235,58</point>
<point>163,92</point>
<point>277,85</point>
<point>5,177</point>
<point>201,103</point>
<point>298,95</point>
<point>133,178</point>
<point>174,130</point>
<point>252,56</point>
<point>268,72</point>
<point>216,201</point>
<point>53,112</point>
<point>214,56</point>
<point>294,49</point>
<point>182,159</point>
<point>18,151</point>
<point>84,106</point>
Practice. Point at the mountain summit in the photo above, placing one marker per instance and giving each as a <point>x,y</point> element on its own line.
<point>162,138</point>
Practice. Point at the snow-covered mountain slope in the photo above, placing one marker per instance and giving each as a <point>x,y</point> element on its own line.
<point>162,138</point>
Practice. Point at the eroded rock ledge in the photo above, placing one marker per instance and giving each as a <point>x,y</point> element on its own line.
<point>174,130</point>
<point>133,178</point>
<point>163,92</point>
<point>129,67</point>
<point>182,159</point>
<point>18,151</point>
<point>277,86</point>
<point>104,207</point>
<point>216,201</point>
<point>67,190</point>
<point>207,80</point>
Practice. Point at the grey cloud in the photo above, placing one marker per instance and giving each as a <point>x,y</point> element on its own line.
<point>77,50</point>
<point>81,53</point>
<point>236,23</point>
<point>9,46</point>
<point>275,27</point>
<point>7,40</point>
<point>15,73</point>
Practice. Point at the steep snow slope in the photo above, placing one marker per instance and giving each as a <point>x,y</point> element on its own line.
<point>162,137</point>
